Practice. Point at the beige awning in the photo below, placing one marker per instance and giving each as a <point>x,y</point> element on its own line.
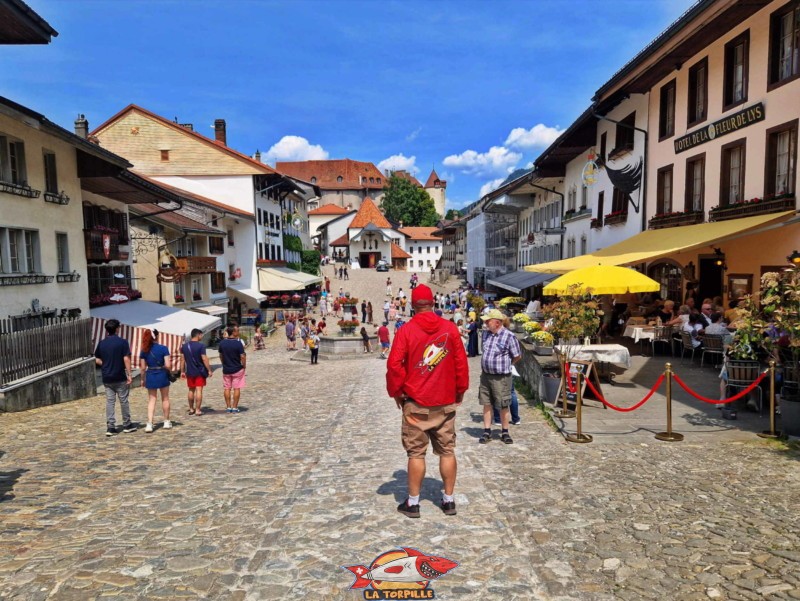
<point>248,294</point>
<point>300,276</point>
<point>272,280</point>
<point>210,309</point>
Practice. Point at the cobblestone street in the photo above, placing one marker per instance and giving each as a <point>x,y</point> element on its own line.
<point>270,503</point>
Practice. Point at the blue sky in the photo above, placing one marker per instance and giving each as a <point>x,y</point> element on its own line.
<point>474,88</point>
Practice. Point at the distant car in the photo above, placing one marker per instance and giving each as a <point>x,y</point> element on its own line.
<point>382,267</point>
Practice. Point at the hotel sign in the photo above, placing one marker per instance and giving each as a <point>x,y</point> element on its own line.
<point>729,124</point>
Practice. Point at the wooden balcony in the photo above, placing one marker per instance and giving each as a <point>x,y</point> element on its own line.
<point>196,264</point>
<point>752,207</point>
<point>676,219</point>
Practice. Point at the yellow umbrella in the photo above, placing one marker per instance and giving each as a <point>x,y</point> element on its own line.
<point>603,279</point>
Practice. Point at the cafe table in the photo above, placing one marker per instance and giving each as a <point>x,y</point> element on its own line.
<point>603,355</point>
<point>639,332</point>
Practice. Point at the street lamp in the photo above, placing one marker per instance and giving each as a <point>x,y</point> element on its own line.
<point>794,258</point>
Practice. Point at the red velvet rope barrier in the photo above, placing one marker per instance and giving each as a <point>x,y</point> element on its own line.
<point>599,396</point>
<point>736,397</point>
<point>570,383</point>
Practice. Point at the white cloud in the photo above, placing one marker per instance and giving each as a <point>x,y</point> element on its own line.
<point>398,162</point>
<point>413,135</point>
<point>295,148</point>
<point>489,186</point>
<point>448,176</point>
<point>494,162</point>
<point>538,135</point>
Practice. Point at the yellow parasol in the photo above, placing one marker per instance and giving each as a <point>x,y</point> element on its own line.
<point>603,279</point>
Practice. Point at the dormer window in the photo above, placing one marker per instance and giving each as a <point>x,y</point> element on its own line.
<point>372,180</point>
<point>339,179</point>
<point>313,180</point>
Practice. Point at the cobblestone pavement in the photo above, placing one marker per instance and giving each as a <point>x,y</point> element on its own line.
<point>270,503</point>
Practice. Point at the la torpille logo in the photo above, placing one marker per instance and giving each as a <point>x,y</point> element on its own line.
<point>401,574</point>
<point>433,354</point>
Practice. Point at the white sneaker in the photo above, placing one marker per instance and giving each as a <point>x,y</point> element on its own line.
<point>148,428</point>
<point>167,424</point>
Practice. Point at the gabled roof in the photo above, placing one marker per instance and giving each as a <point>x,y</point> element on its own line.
<point>356,175</point>
<point>403,174</point>
<point>329,210</point>
<point>202,200</point>
<point>20,24</point>
<point>399,253</point>
<point>421,233</point>
<point>261,167</point>
<point>343,240</point>
<point>432,179</point>
<point>174,219</point>
<point>369,213</point>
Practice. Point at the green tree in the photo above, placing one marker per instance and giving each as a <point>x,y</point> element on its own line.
<point>452,214</point>
<point>405,202</point>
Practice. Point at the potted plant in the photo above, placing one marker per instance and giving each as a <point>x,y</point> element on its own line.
<point>518,321</point>
<point>573,318</point>
<point>477,302</point>
<point>196,296</point>
<point>348,326</point>
<point>530,327</point>
<point>179,298</point>
<point>272,300</point>
<point>509,300</point>
<point>297,300</point>
<point>542,342</point>
<point>285,298</point>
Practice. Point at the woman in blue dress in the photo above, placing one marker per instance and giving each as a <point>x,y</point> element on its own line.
<point>472,339</point>
<point>155,364</point>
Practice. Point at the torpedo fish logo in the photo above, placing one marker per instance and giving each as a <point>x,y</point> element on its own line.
<point>400,574</point>
<point>433,354</point>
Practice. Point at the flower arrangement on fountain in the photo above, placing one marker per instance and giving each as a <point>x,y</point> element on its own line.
<point>285,299</point>
<point>529,327</point>
<point>348,300</point>
<point>348,324</point>
<point>521,318</point>
<point>516,300</point>
<point>542,338</point>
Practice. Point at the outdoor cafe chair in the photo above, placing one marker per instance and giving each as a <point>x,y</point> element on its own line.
<point>663,335</point>
<point>686,345</point>
<point>713,344</point>
<point>741,374</point>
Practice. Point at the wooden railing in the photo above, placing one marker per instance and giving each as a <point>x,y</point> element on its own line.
<point>26,353</point>
<point>689,218</point>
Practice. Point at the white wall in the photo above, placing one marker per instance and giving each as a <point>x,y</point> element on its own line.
<point>412,248</point>
<point>234,190</point>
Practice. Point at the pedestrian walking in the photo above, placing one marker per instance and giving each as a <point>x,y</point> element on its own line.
<point>155,364</point>
<point>195,369</point>
<point>323,307</point>
<point>369,312</point>
<point>336,307</point>
<point>500,351</point>
<point>291,335</point>
<point>392,311</point>
<point>234,365</point>
<point>364,311</point>
<point>341,273</point>
<point>313,344</point>
<point>327,285</point>
<point>346,276</point>
<point>386,306</point>
<point>365,340</point>
<point>113,355</point>
<point>383,338</point>
<point>389,287</point>
<point>427,375</point>
<point>310,304</point>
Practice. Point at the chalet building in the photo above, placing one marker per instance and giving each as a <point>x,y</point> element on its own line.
<point>424,247</point>
<point>715,97</point>
<point>275,205</point>
<point>319,217</point>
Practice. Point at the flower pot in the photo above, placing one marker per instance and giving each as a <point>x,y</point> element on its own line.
<point>790,415</point>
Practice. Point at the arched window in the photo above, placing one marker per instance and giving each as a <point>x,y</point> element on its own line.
<point>313,180</point>
<point>372,180</point>
<point>339,179</point>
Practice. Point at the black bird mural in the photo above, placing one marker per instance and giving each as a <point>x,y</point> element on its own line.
<point>627,180</point>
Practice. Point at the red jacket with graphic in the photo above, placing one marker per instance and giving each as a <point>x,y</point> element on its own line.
<point>428,362</point>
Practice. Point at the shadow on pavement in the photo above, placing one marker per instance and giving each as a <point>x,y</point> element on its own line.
<point>7,482</point>
<point>431,487</point>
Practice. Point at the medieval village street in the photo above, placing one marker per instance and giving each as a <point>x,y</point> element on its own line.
<point>271,503</point>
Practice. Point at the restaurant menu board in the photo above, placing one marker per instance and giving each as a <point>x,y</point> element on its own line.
<point>587,371</point>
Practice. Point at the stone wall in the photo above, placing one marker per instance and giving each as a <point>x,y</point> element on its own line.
<point>532,368</point>
<point>65,384</point>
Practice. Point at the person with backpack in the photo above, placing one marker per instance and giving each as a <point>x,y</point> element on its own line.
<point>313,343</point>
<point>195,369</point>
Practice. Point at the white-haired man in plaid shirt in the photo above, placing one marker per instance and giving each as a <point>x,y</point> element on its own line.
<point>500,351</point>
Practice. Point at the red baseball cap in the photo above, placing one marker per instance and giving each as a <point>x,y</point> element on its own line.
<point>421,293</point>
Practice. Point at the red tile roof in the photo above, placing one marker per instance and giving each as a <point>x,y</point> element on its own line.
<point>369,213</point>
<point>177,127</point>
<point>403,174</point>
<point>356,175</point>
<point>420,233</point>
<point>329,210</point>
<point>341,240</point>
<point>399,253</point>
<point>433,178</point>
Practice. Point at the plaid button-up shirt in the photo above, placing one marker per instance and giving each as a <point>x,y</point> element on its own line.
<point>498,351</point>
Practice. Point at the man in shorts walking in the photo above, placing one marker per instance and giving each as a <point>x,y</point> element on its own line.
<point>383,338</point>
<point>195,369</point>
<point>234,362</point>
<point>500,351</point>
<point>427,375</point>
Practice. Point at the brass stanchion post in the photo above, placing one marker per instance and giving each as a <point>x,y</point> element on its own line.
<point>564,412</point>
<point>669,435</point>
<point>579,436</point>
<point>771,433</point>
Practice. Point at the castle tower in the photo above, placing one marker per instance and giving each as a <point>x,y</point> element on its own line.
<point>437,188</point>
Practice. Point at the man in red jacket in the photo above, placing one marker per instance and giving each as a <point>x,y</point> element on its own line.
<point>427,375</point>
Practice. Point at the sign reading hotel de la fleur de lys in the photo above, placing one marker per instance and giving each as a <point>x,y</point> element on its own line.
<point>724,126</point>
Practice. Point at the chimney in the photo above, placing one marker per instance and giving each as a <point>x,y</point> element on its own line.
<point>258,155</point>
<point>219,131</point>
<point>81,127</point>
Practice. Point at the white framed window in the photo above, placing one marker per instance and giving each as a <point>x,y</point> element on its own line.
<point>62,252</point>
<point>196,288</point>
<point>20,250</point>
<point>50,173</point>
<point>12,161</point>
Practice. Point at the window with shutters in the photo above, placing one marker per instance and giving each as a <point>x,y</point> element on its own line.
<point>695,183</point>
<point>218,282</point>
<point>12,161</point>
<point>697,109</point>
<point>732,173</point>
<point>784,45</point>
<point>50,175</point>
<point>666,115</point>
<point>62,252</point>
<point>781,167</point>
<point>736,71</point>
<point>664,194</point>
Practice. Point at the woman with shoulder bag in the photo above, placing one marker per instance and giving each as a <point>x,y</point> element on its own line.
<point>155,365</point>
